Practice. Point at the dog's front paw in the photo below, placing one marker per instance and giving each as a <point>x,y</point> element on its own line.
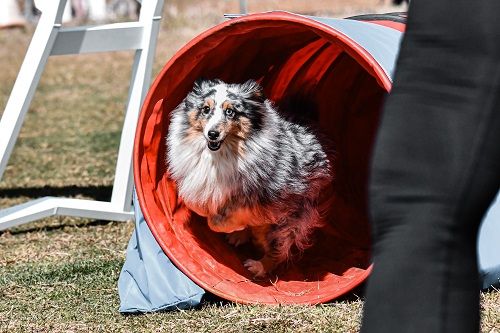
<point>238,238</point>
<point>255,267</point>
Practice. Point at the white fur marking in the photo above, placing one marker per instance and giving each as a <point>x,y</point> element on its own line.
<point>218,116</point>
<point>202,177</point>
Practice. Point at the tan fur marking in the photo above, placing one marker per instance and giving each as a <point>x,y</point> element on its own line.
<point>227,105</point>
<point>192,117</point>
<point>237,220</point>
<point>241,149</point>
<point>259,237</point>
<point>242,133</point>
<point>244,128</point>
<point>197,125</point>
<point>210,102</point>
<point>268,262</point>
<point>259,234</point>
<point>198,209</point>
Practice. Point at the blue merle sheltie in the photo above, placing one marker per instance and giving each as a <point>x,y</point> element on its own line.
<point>250,172</point>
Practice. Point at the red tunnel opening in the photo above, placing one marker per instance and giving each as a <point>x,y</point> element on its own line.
<point>311,72</point>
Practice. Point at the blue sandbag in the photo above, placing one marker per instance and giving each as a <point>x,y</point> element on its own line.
<point>489,247</point>
<point>149,281</point>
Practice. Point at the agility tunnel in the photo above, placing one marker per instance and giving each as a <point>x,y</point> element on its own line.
<point>332,72</point>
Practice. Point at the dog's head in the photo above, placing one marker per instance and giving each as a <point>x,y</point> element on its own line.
<point>221,111</point>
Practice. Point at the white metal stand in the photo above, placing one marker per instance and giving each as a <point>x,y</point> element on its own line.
<point>50,38</point>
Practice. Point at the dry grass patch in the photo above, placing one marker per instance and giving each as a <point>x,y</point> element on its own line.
<point>60,274</point>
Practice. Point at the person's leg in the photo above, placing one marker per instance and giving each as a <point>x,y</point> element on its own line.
<point>436,168</point>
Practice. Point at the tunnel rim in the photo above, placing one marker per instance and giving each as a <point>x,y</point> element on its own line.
<point>322,30</point>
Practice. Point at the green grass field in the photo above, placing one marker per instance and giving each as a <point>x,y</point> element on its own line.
<point>60,274</point>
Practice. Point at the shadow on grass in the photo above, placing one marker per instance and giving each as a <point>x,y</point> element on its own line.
<point>358,293</point>
<point>208,299</point>
<point>80,223</point>
<point>353,296</point>
<point>101,193</point>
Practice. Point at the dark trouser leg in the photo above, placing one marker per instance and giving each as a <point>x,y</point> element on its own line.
<point>436,169</point>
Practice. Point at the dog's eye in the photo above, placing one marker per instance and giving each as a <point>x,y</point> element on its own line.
<point>205,110</point>
<point>229,113</point>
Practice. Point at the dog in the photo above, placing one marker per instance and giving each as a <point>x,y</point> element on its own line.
<point>250,172</point>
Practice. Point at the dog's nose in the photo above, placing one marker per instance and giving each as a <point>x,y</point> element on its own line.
<point>213,135</point>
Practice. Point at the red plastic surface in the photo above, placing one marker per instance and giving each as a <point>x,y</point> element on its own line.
<point>391,24</point>
<point>309,69</point>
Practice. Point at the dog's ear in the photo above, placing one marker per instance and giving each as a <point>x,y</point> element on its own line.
<point>198,86</point>
<point>253,90</point>
<point>202,84</point>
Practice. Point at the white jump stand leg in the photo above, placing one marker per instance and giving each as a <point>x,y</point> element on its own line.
<point>51,38</point>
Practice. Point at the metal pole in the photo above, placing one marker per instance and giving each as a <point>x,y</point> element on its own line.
<point>243,7</point>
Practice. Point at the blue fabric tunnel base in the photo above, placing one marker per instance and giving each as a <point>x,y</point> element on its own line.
<point>149,281</point>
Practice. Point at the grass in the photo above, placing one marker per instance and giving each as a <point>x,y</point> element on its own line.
<point>63,278</point>
<point>60,274</point>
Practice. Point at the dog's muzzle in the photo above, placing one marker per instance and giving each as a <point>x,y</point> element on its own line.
<point>214,145</point>
<point>214,140</point>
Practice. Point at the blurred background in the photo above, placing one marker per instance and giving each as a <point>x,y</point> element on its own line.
<point>59,274</point>
<point>71,132</point>
<point>18,12</point>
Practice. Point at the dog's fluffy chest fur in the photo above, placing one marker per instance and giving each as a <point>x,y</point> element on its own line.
<point>204,180</point>
<point>271,163</point>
